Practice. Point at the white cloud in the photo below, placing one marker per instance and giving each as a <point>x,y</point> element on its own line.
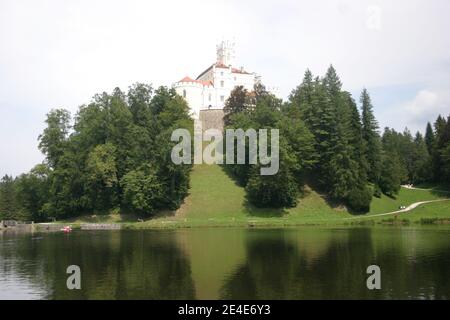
<point>424,107</point>
<point>425,101</point>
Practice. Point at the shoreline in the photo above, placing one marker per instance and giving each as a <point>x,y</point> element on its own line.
<point>252,224</point>
<point>414,214</point>
<point>56,227</point>
<point>418,211</point>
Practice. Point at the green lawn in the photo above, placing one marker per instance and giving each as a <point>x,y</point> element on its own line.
<point>216,200</point>
<point>405,198</point>
<point>437,212</point>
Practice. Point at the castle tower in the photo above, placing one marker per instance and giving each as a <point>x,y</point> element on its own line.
<point>225,53</point>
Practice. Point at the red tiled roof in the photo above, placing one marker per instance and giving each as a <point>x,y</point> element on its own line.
<point>221,65</point>
<point>234,70</point>
<point>188,79</point>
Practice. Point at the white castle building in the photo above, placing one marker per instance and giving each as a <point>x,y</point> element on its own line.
<point>213,86</point>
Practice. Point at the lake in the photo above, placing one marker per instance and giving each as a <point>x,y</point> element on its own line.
<point>228,263</point>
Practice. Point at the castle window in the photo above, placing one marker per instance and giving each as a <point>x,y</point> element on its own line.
<point>184,93</point>
<point>209,97</point>
<point>221,84</point>
<point>221,73</point>
<point>222,98</point>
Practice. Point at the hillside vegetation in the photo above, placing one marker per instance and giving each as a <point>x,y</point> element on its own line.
<point>215,199</point>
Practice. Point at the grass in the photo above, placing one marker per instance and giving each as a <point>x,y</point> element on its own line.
<point>405,197</point>
<point>104,218</point>
<point>216,200</point>
<point>430,213</point>
<point>433,186</point>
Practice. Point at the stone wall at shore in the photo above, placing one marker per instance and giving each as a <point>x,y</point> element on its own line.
<point>211,119</point>
<point>100,226</point>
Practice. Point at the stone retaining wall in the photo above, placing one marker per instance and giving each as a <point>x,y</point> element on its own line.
<point>100,226</point>
<point>211,119</point>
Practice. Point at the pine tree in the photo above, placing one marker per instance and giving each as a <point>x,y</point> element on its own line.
<point>391,175</point>
<point>420,160</point>
<point>343,167</point>
<point>332,83</point>
<point>372,147</point>
<point>429,138</point>
<point>443,151</point>
<point>355,135</point>
<point>300,99</point>
<point>323,125</point>
<point>439,144</point>
<point>333,119</point>
<point>9,208</point>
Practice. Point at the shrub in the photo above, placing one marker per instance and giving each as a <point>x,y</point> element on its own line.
<point>272,191</point>
<point>377,191</point>
<point>359,199</point>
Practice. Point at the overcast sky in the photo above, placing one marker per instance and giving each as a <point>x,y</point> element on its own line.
<point>60,53</point>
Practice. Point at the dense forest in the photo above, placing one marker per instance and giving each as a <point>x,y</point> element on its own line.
<point>329,143</point>
<point>114,156</point>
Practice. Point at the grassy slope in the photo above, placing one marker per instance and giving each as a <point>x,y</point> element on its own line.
<point>430,212</point>
<point>216,200</point>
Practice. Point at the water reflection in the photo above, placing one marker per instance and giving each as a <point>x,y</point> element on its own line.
<point>114,265</point>
<point>331,264</point>
<point>301,263</point>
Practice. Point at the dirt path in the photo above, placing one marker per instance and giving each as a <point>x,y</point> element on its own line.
<point>408,208</point>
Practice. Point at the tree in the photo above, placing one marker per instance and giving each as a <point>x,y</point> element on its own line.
<point>113,136</point>
<point>343,169</point>
<point>322,124</point>
<point>420,166</point>
<point>9,208</point>
<point>332,117</point>
<point>401,146</point>
<point>101,177</point>
<point>278,191</point>
<point>33,192</point>
<point>372,149</point>
<point>53,139</point>
<point>442,160</point>
<point>295,154</point>
<point>391,174</point>
<point>299,144</point>
<point>359,198</point>
<point>139,98</point>
<point>301,98</point>
<point>355,139</point>
<point>445,155</point>
<point>238,101</point>
<point>142,190</point>
<point>259,91</point>
<point>332,83</point>
<point>429,138</point>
